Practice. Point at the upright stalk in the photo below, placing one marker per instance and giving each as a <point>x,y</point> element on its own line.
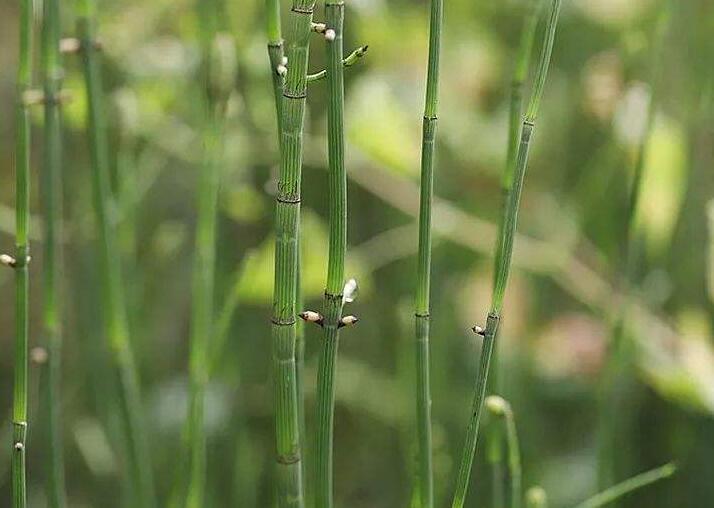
<point>332,309</point>
<point>113,305</point>
<point>52,197</point>
<point>500,408</point>
<point>22,256</point>
<point>284,325</point>
<point>614,493</point>
<point>504,252</point>
<point>216,78</point>
<point>425,480</point>
<point>276,52</point>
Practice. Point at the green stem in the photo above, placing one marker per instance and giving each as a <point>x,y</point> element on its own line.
<point>22,253</point>
<point>113,305</point>
<point>500,408</point>
<point>347,61</point>
<point>52,194</point>
<point>425,474</point>
<point>504,251</point>
<point>276,52</point>
<point>292,113</point>
<point>332,310</point>
<point>635,483</point>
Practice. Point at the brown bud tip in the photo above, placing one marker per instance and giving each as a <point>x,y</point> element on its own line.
<point>311,316</point>
<point>478,330</point>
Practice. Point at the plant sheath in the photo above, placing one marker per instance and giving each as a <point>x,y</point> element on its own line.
<point>22,257</point>
<point>52,197</point>
<point>113,304</point>
<point>292,112</point>
<point>504,251</point>
<point>332,310</point>
<point>425,479</point>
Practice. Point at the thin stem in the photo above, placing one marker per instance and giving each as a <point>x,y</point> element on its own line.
<point>22,253</point>
<point>500,408</point>
<point>113,305</point>
<point>292,113</point>
<point>628,486</point>
<point>425,474</point>
<point>276,52</point>
<point>504,251</point>
<point>216,80</point>
<point>347,61</point>
<point>52,194</point>
<point>332,311</point>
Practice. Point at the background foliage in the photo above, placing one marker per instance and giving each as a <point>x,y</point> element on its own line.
<point>561,303</point>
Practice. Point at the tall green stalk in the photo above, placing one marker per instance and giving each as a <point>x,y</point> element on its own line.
<point>504,251</point>
<point>22,256</point>
<point>425,475</point>
<point>276,52</point>
<point>520,73</point>
<point>500,408</point>
<point>292,112</point>
<point>216,82</point>
<point>626,487</point>
<point>333,304</point>
<point>113,305</point>
<point>52,197</point>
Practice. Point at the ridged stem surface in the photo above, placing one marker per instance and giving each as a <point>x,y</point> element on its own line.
<point>504,251</point>
<point>332,311</point>
<point>22,253</point>
<point>424,479</point>
<point>52,206</point>
<point>276,52</point>
<point>292,113</point>
<point>116,330</point>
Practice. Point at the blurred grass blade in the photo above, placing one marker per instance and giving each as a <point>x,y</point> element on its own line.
<point>628,486</point>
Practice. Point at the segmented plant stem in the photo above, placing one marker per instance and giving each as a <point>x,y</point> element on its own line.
<point>292,113</point>
<point>332,311</point>
<point>22,257</point>
<point>52,198</point>
<point>425,480</point>
<point>504,251</point>
<point>113,305</point>
<point>276,52</point>
<point>635,483</point>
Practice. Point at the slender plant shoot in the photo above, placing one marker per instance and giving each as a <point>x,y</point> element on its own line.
<point>217,73</point>
<point>284,320</point>
<point>500,408</point>
<point>425,475</point>
<point>52,197</point>
<point>332,310</point>
<point>22,256</point>
<point>620,490</point>
<point>113,305</point>
<point>504,251</point>
<point>276,53</point>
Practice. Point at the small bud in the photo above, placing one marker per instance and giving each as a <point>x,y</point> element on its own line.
<point>39,355</point>
<point>311,316</point>
<point>349,292</point>
<point>330,34</point>
<point>497,405</point>
<point>284,60</point>
<point>282,70</point>
<point>478,330</point>
<point>318,27</point>
<point>70,45</point>
<point>7,260</point>
<point>348,321</point>
<point>19,446</point>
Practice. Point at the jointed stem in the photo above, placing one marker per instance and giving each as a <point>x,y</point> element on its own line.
<point>334,14</point>
<point>504,251</point>
<point>114,308</point>
<point>52,194</point>
<point>22,253</point>
<point>425,478</point>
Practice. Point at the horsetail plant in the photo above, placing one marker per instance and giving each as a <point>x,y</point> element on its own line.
<point>332,319</point>
<point>504,251</point>
<point>425,479</point>
<point>291,111</point>
<point>501,409</point>
<point>52,197</point>
<point>21,259</point>
<point>116,327</point>
<point>217,69</point>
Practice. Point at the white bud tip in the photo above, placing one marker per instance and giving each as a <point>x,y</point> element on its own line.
<point>39,355</point>
<point>7,260</point>
<point>284,61</point>
<point>349,320</point>
<point>496,405</point>
<point>330,34</point>
<point>282,70</point>
<point>19,446</point>
<point>70,45</point>
<point>536,496</point>
<point>349,292</point>
<point>310,316</point>
<point>477,330</point>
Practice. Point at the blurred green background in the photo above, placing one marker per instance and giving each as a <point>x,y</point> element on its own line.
<point>564,294</point>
